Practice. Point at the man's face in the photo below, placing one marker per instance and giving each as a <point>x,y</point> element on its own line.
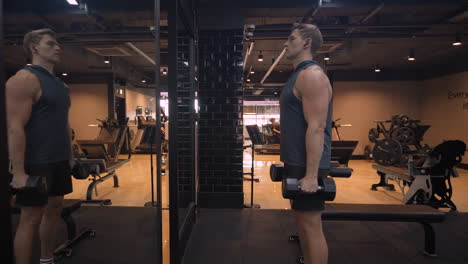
<point>48,49</point>
<point>294,45</point>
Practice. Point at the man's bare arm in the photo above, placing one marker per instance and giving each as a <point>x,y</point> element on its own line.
<point>314,90</point>
<point>20,95</point>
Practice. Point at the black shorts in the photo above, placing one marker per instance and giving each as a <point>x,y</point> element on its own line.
<point>49,179</point>
<point>312,202</point>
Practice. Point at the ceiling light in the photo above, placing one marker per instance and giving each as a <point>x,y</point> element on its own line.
<point>164,72</point>
<point>65,74</point>
<point>248,80</point>
<point>457,41</point>
<point>72,2</point>
<point>260,56</point>
<point>377,68</point>
<point>29,64</point>
<point>106,60</point>
<point>252,71</point>
<point>411,56</point>
<point>327,57</point>
<point>143,81</point>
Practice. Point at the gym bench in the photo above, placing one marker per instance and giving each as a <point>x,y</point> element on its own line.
<point>69,206</point>
<point>423,214</point>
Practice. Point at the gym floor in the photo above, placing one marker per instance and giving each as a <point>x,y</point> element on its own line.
<point>262,239</point>
<point>135,190</point>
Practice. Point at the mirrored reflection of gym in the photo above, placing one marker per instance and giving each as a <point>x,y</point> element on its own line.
<point>207,131</point>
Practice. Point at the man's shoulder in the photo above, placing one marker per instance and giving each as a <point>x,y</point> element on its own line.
<point>24,82</point>
<point>23,77</point>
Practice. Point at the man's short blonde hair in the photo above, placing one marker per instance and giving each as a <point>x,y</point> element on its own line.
<point>310,31</point>
<point>34,37</point>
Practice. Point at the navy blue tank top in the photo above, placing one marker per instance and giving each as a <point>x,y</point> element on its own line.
<point>47,130</point>
<point>294,126</point>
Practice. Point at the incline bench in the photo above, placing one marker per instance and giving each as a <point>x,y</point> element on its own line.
<point>102,155</point>
<point>69,206</point>
<point>423,214</point>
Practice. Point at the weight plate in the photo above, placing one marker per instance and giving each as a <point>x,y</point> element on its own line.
<point>386,152</point>
<point>373,135</point>
<point>404,135</point>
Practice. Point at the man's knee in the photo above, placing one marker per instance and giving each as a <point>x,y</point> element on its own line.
<point>32,215</point>
<point>309,220</point>
<point>54,206</point>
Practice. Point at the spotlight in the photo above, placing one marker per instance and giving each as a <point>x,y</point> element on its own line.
<point>457,41</point>
<point>411,57</point>
<point>327,57</point>
<point>65,74</point>
<point>164,72</point>
<point>260,56</point>
<point>248,80</point>
<point>106,60</point>
<point>252,71</point>
<point>72,2</point>
<point>143,81</point>
<point>377,68</point>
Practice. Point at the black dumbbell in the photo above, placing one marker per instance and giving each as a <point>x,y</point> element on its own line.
<point>326,189</point>
<point>276,172</point>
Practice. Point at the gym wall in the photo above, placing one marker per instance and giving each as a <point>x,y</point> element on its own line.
<point>134,99</point>
<point>360,103</point>
<point>445,108</point>
<point>88,103</point>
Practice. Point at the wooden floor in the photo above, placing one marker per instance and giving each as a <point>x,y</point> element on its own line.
<point>355,189</point>
<point>135,187</point>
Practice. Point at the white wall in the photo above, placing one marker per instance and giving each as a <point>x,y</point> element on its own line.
<point>445,111</point>
<point>361,103</point>
<point>88,103</point>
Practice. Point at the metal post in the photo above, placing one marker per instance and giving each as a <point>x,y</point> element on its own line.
<point>6,240</point>
<point>157,96</point>
<point>173,181</point>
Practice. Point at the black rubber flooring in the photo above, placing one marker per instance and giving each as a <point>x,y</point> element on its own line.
<point>127,235</point>
<point>261,236</point>
<point>124,235</point>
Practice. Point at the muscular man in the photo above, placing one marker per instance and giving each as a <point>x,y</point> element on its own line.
<point>305,108</point>
<point>39,142</point>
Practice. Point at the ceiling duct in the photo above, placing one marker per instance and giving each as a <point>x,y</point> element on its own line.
<point>111,51</point>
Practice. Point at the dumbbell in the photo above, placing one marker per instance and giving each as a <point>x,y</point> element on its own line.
<point>276,172</point>
<point>326,189</point>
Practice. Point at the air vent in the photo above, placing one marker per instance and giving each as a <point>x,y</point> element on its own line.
<point>113,51</point>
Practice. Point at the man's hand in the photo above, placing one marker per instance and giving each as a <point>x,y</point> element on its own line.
<point>19,180</point>
<point>309,184</point>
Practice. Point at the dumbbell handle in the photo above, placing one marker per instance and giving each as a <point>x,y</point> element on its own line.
<point>319,188</point>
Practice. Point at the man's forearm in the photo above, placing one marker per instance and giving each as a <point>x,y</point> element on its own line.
<point>314,148</point>
<point>16,148</point>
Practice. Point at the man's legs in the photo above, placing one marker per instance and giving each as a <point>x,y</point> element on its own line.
<point>49,226</point>
<point>29,223</point>
<point>313,242</point>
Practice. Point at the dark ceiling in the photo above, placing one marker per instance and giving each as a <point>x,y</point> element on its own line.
<point>358,35</point>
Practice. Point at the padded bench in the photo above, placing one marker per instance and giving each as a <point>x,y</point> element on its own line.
<point>423,214</point>
<point>69,206</point>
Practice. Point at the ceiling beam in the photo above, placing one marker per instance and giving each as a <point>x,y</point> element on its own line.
<point>326,4</point>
